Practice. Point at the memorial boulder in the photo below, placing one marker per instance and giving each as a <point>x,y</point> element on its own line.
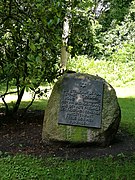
<point>82,108</point>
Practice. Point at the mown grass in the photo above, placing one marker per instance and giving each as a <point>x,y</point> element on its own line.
<point>27,167</point>
<point>128,114</point>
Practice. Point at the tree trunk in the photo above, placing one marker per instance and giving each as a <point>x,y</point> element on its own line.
<point>64,52</point>
<point>20,95</point>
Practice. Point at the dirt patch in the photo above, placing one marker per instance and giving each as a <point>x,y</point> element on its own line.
<point>25,137</point>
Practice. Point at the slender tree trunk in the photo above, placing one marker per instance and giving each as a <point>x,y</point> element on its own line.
<point>20,95</point>
<point>66,29</point>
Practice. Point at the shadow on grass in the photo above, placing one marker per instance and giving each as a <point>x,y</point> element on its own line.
<point>128,114</point>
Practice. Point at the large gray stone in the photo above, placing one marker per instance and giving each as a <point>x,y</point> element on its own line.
<point>110,115</point>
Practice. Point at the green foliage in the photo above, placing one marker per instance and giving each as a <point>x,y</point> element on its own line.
<point>26,167</point>
<point>83,27</point>
<point>31,40</point>
<point>115,72</point>
<point>29,46</point>
<point>126,54</point>
<point>117,9</point>
<point>119,36</point>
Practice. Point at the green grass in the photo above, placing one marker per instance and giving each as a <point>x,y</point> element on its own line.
<point>128,114</point>
<point>27,167</point>
<point>126,98</point>
<point>39,104</point>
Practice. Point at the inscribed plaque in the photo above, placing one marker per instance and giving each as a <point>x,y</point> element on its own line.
<point>81,102</point>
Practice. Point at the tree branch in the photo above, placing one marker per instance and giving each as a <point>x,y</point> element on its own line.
<point>6,105</point>
<point>30,103</point>
<point>20,95</point>
<point>3,95</point>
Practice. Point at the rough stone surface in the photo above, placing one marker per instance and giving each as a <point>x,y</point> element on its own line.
<point>111,115</point>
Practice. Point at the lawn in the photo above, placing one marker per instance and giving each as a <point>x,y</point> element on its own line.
<point>27,167</point>
<point>126,97</point>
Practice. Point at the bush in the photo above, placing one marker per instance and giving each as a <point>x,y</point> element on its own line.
<point>115,72</point>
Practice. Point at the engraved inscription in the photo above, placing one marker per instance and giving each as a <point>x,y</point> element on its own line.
<point>81,103</point>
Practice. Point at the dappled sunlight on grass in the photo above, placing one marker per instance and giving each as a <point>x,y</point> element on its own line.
<point>39,103</point>
<point>27,95</point>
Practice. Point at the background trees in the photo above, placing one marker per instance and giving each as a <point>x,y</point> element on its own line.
<point>115,39</point>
